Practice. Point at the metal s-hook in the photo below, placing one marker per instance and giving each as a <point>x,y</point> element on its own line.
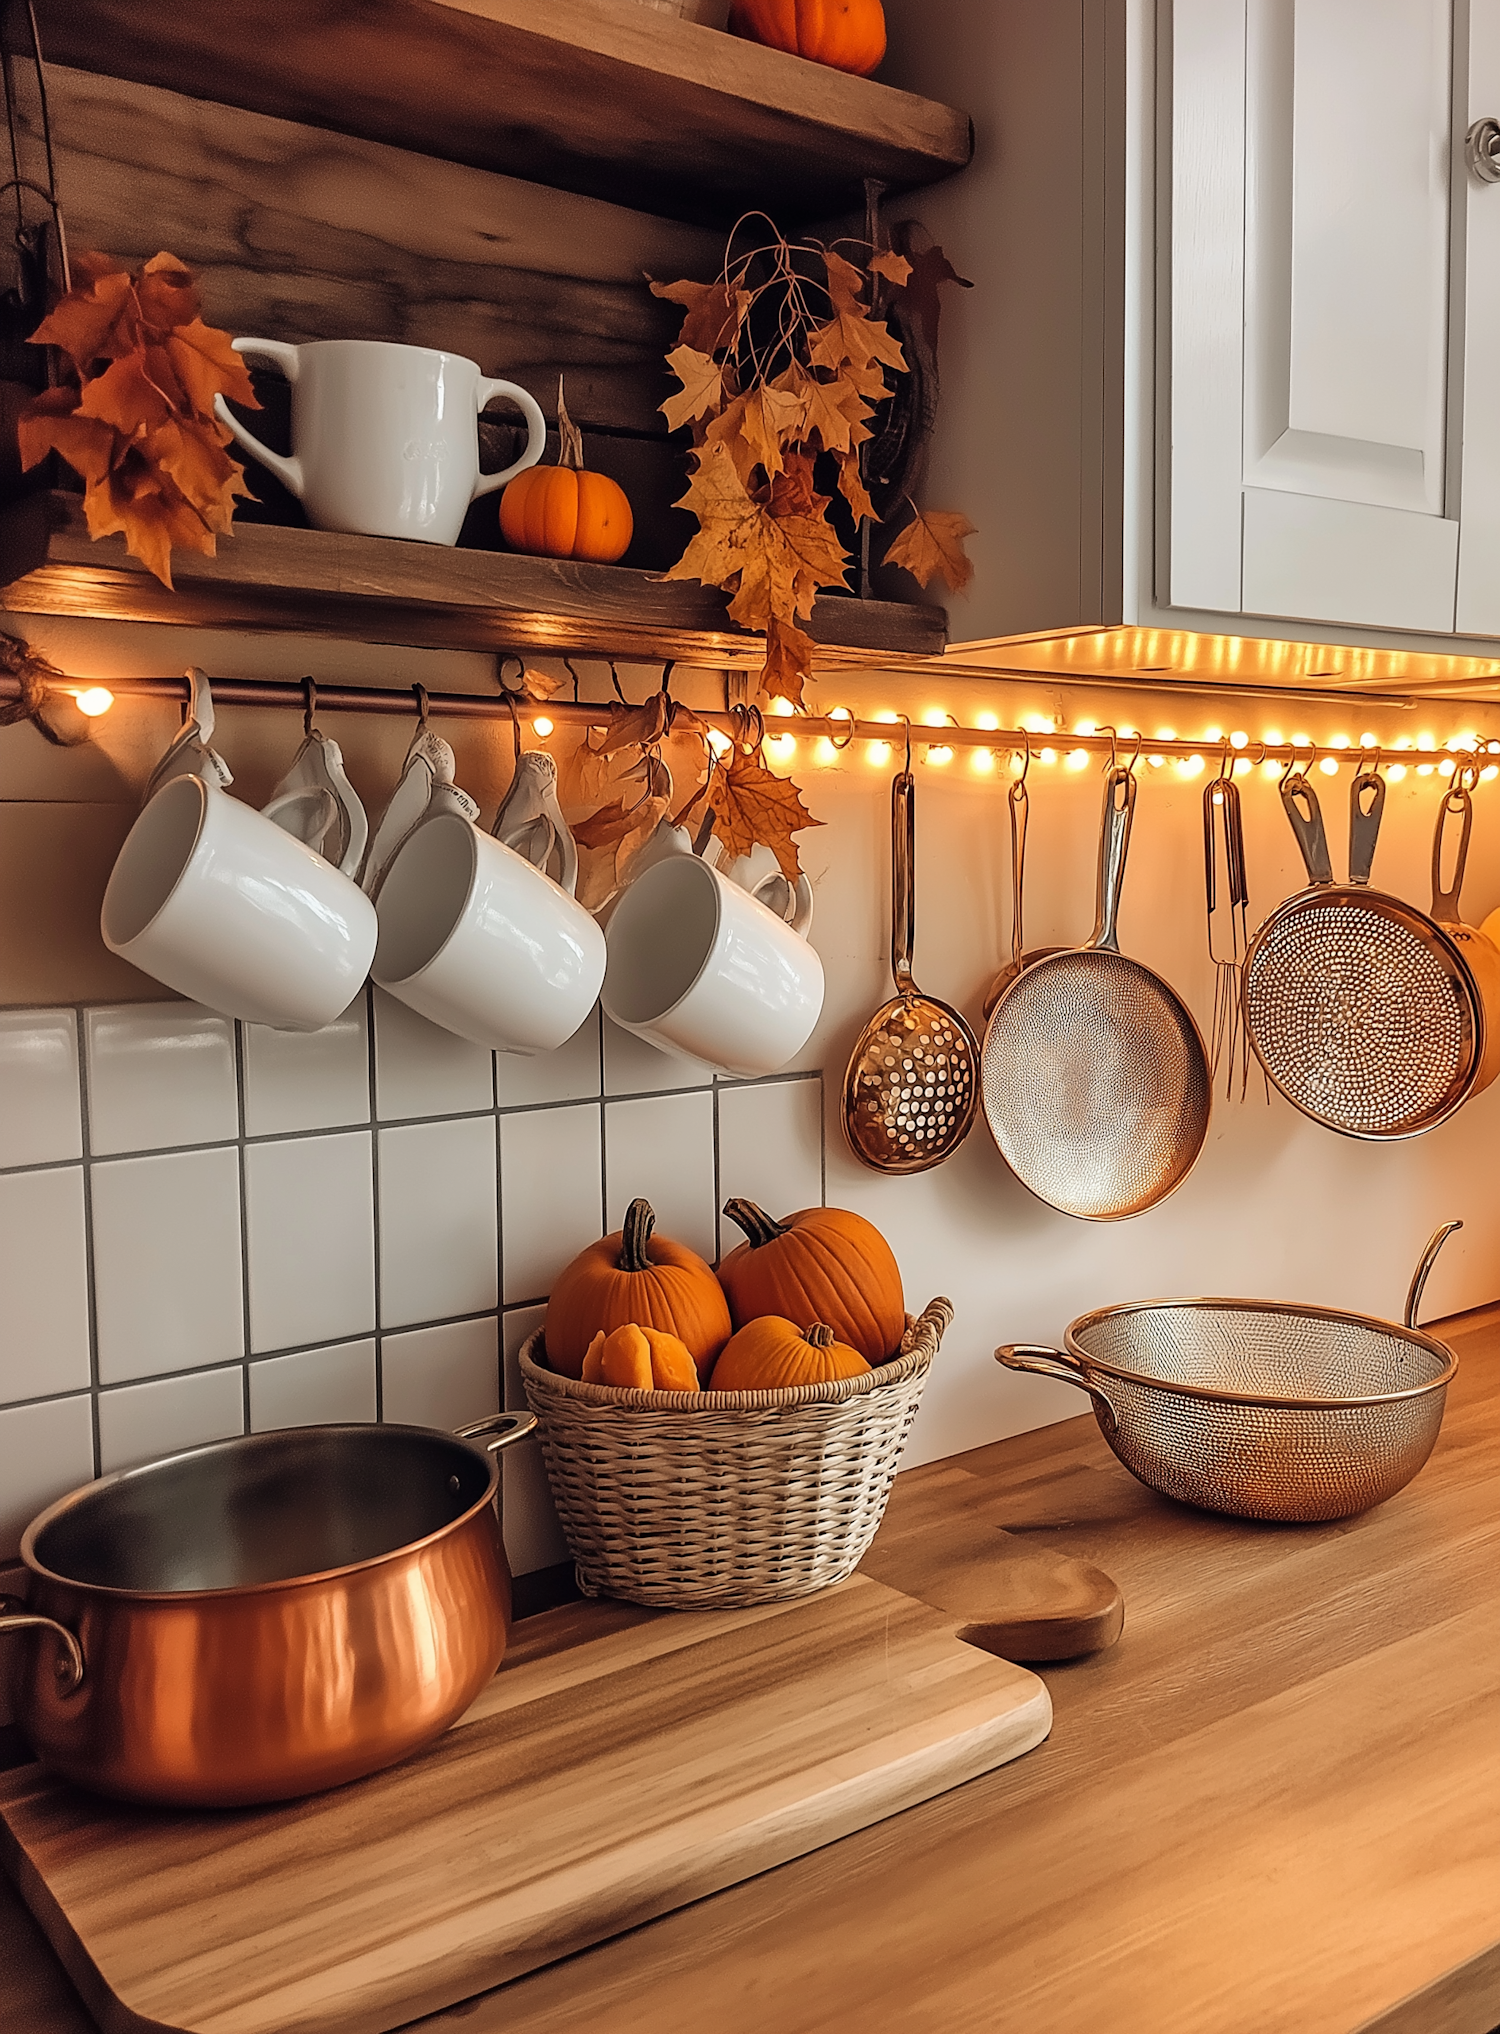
<point>1114,755</point>
<point>567,664</point>
<point>500,663</point>
<point>309,709</point>
<point>515,724</point>
<point>840,713</point>
<point>905,719</point>
<point>424,711</point>
<point>1293,773</point>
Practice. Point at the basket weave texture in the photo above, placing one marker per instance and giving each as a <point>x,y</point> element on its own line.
<point>749,1497</point>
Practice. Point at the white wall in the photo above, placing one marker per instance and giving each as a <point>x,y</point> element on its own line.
<point>1276,1206</point>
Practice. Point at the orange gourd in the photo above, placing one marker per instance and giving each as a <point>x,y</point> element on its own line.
<point>564,511</point>
<point>635,1276</point>
<point>821,1264</point>
<point>848,35</point>
<point>648,1359</point>
<point>770,1354</point>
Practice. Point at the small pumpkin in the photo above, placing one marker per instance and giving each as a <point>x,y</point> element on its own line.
<point>565,511</point>
<point>648,1359</point>
<point>633,1275</point>
<point>821,1264</point>
<point>771,1353</point>
<point>847,35</point>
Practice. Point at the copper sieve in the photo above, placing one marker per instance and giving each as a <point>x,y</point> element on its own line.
<point>1096,1083</point>
<point>911,1087</point>
<point>1256,1408</point>
<point>1363,1011</point>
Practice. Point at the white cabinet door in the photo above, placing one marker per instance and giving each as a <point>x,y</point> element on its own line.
<point>1479,488</point>
<point>1311,154</point>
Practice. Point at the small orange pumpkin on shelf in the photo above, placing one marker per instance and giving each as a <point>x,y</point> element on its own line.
<point>636,1277</point>
<point>647,1359</point>
<point>847,35</point>
<point>771,1353</point>
<point>565,511</point>
<point>821,1264</point>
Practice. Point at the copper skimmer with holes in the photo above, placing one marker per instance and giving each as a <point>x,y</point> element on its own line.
<point>1363,1012</point>
<point>1096,1083</point>
<point>1479,951</point>
<point>912,1085</point>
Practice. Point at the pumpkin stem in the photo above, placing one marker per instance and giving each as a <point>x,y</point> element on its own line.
<point>640,1220</point>
<point>569,437</point>
<point>818,1337</point>
<point>756,1223</point>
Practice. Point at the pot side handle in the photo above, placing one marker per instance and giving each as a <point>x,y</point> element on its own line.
<point>1048,1362</point>
<point>1429,1258</point>
<point>505,1428</point>
<point>14,1616</point>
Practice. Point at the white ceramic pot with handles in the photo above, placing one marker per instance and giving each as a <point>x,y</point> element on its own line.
<point>385,438</point>
<point>701,968</point>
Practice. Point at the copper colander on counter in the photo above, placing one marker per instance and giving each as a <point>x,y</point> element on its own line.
<point>1257,1408</point>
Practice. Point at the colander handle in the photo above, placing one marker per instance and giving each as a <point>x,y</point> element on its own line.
<point>1420,1275</point>
<point>1047,1362</point>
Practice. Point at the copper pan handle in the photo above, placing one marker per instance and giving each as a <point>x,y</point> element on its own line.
<point>1420,1275</point>
<point>1306,816</point>
<point>1047,1362</point>
<point>1019,805</point>
<point>1445,902</point>
<point>69,1659</point>
<point>506,1428</point>
<point>903,880</point>
<point>1364,823</point>
<point>1114,846</point>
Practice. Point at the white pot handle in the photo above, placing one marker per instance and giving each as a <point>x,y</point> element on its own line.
<point>287,471</point>
<point>536,429</point>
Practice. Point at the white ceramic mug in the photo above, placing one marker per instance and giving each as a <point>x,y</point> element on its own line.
<point>700,968</point>
<point>759,872</point>
<point>476,939</point>
<point>218,902</point>
<point>385,437</point>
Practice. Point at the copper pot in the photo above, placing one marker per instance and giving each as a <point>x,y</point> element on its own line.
<point>266,1616</point>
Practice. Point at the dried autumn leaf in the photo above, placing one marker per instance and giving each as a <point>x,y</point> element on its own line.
<point>845,283</point>
<point>635,726</point>
<point>758,423</point>
<point>837,412</point>
<point>894,267</point>
<point>714,313</point>
<point>207,365</point>
<point>853,489</point>
<point>702,391</point>
<point>125,396</point>
<point>932,546</point>
<point>49,424</point>
<point>752,806</point>
<point>606,827</point>
<point>537,684</point>
<point>851,339</point>
<point>102,322</point>
<point>584,774</point>
<point>788,665</point>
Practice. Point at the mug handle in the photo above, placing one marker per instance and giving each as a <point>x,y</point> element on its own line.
<point>799,917</point>
<point>536,432</point>
<point>287,471</point>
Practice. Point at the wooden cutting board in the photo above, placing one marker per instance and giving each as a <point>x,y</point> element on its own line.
<point>622,1763</point>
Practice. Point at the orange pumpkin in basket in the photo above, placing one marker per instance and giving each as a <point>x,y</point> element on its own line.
<point>847,35</point>
<point>821,1264</point>
<point>565,511</point>
<point>770,1354</point>
<point>635,1276</point>
<point>647,1359</point>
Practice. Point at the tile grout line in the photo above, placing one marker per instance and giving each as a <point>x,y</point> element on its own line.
<point>375,1127</point>
<point>243,1175</point>
<point>85,1147</point>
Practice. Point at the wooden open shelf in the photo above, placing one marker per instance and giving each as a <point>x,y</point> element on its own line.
<point>372,589</point>
<point>602,96</point>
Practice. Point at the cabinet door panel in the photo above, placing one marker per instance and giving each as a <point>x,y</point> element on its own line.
<point>1311,164</point>
<point>1479,542</point>
<point>1312,559</point>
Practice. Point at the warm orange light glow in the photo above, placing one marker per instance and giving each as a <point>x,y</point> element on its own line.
<point>93,701</point>
<point>1329,766</point>
<point>541,727</point>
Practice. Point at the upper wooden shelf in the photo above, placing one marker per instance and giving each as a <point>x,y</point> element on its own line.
<point>372,589</point>
<point>607,97</point>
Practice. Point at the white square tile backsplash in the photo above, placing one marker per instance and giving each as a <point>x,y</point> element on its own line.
<point>310,1240</point>
<point>39,1109</point>
<point>167,1264</point>
<point>365,1263</point>
<point>160,1074</point>
<point>44,1287</point>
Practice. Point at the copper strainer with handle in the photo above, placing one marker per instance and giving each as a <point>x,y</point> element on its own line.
<point>1257,1408</point>
<point>912,1084</point>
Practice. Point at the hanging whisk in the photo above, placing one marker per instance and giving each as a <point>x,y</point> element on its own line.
<point>1228,897</point>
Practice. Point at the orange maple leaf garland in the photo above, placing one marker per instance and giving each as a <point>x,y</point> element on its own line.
<point>782,360</point>
<point>138,426</point>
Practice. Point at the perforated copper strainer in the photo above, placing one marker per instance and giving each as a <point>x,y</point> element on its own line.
<point>1362,1010</point>
<point>912,1084</point>
<point>1256,1408</point>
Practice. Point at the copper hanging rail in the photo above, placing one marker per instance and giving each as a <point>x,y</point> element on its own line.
<point>840,729</point>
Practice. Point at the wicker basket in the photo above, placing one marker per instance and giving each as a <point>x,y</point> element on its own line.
<point>751,1498</point>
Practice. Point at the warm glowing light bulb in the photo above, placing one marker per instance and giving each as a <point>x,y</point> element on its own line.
<point>940,755</point>
<point>1302,741</point>
<point>1047,756</point>
<point>1272,737</point>
<point>824,751</point>
<point>1190,766</point>
<point>1239,739</point>
<point>1213,734</point>
<point>782,707</point>
<point>1270,769</point>
<point>1329,766</point>
<point>1426,741</point>
<point>541,727</point>
<point>1077,759</point>
<point>1166,734</point>
<point>1396,772</point>
<point>878,752</point>
<point>93,701</point>
<point>982,762</point>
<point>1086,727</point>
<point>1156,761</point>
<point>986,720</point>
<point>1242,767</point>
<point>1445,767</point>
<point>719,743</point>
<point>1338,741</point>
<point>1368,741</point>
<point>1424,769</point>
<point>1037,723</point>
<point>1490,770</point>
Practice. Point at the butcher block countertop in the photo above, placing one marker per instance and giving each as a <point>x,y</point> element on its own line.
<point>1272,1808</point>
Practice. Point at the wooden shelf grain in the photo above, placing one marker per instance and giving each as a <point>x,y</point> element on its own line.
<point>373,589</point>
<point>619,101</point>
